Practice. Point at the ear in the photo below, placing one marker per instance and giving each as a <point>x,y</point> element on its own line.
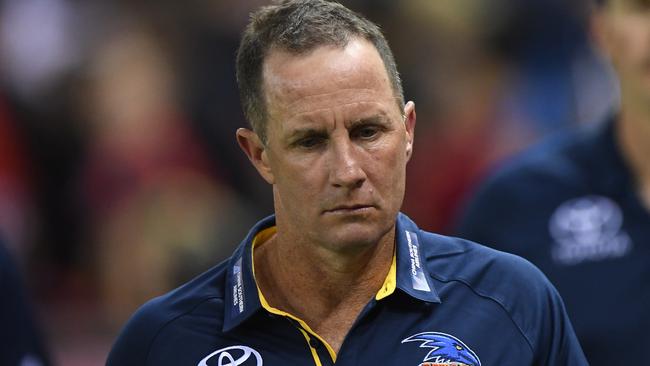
<point>253,147</point>
<point>409,125</point>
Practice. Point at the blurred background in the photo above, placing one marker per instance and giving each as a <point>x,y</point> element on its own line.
<point>120,176</point>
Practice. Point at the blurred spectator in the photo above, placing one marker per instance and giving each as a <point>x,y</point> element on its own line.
<point>207,44</point>
<point>156,208</point>
<point>20,341</point>
<point>38,43</point>
<point>16,190</point>
<point>578,206</point>
<point>462,84</point>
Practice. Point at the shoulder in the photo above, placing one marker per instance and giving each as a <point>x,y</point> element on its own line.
<point>156,316</point>
<point>525,190</point>
<point>489,272</point>
<point>515,285</point>
<point>558,160</point>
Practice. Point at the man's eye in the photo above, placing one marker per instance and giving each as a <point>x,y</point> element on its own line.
<point>366,132</point>
<point>309,142</point>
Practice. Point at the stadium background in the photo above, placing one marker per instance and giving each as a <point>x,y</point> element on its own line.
<point>120,177</point>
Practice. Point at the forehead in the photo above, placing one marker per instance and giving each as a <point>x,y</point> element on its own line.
<point>326,77</point>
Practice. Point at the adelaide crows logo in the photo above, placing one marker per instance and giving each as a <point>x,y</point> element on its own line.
<point>446,350</point>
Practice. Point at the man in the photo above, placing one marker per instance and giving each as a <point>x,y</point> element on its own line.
<point>20,341</point>
<point>338,275</point>
<point>578,206</point>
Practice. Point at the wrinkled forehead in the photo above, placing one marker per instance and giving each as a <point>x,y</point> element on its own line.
<point>325,74</point>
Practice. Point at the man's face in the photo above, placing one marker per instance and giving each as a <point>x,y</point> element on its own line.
<point>337,145</point>
<point>624,33</point>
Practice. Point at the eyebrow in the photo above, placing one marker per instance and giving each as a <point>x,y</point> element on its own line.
<point>379,119</point>
<point>302,132</point>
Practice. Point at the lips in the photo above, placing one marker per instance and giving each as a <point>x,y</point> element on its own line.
<point>349,208</point>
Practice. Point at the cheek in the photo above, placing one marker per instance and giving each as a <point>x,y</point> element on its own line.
<point>388,166</point>
<point>298,182</point>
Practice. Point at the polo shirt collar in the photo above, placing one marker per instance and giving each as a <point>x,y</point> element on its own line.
<point>411,274</point>
<point>242,299</point>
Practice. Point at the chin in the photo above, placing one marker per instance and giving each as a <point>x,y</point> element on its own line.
<point>355,236</point>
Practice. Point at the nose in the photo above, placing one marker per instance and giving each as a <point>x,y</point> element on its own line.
<point>345,168</point>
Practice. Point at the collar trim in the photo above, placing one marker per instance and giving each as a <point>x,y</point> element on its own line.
<point>408,272</point>
<point>390,283</point>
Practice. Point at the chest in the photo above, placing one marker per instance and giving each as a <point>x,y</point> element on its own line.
<point>397,335</point>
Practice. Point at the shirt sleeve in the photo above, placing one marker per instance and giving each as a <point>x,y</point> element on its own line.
<point>557,343</point>
<point>537,309</point>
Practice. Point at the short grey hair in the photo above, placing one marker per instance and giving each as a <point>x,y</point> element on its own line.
<point>299,26</point>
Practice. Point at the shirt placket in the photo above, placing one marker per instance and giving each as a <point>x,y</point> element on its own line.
<point>318,350</point>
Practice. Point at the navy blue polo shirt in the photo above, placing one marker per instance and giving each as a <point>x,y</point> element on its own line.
<point>570,206</point>
<point>445,301</point>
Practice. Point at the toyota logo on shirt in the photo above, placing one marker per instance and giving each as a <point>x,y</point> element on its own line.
<point>233,356</point>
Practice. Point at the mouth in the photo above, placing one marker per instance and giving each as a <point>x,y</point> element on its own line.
<point>350,209</point>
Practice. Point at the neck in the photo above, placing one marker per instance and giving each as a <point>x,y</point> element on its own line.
<point>633,134</point>
<point>325,288</point>
<point>319,275</point>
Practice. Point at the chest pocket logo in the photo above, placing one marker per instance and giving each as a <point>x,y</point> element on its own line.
<point>233,356</point>
<point>445,350</point>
